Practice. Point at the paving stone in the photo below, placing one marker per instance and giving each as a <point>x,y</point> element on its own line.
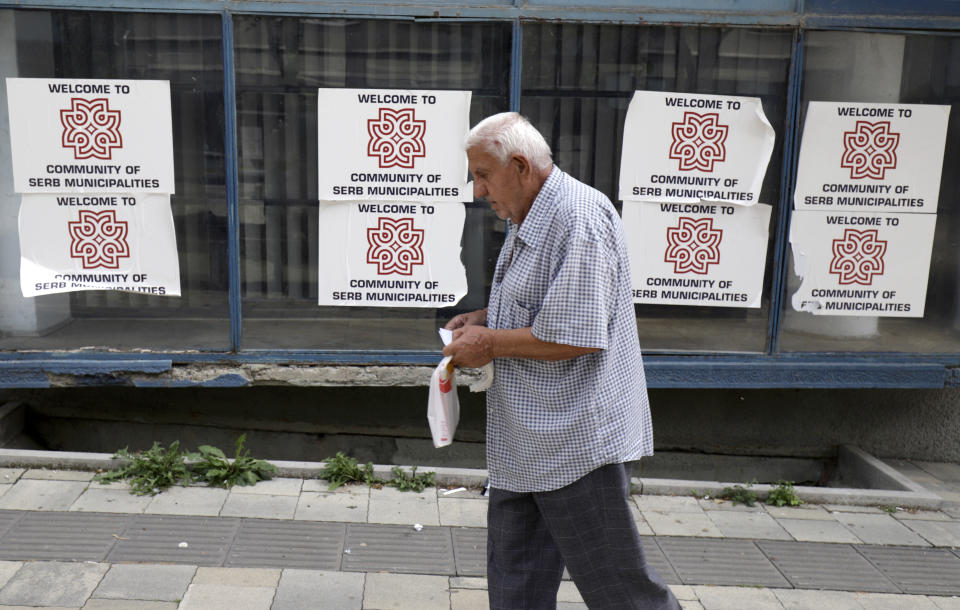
<point>880,529</point>
<point>886,601</point>
<point>462,512</point>
<point>937,533</point>
<point>813,565</point>
<point>5,607</point>
<point>717,504</point>
<point>35,494</point>
<point>145,582</point>
<point>690,605</point>
<point>62,535</point>
<point>668,504</point>
<point>110,501</point>
<point>736,524</point>
<point>945,603</point>
<point>158,538</point>
<point>470,551</point>
<point>194,501</point>
<point>127,604</point>
<point>815,530</point>
<point>469,599</point>
<point>4,488</point>
<point>852,508</point>
<point>568,592</point>
<point>7,570</point>
<point>658,561</point>
<point>52,584</point>
<point>945,471</point>
<point>921,571</point>
<point>720,562</point>
<point>468,582</point>
<point>111,485</point>
<point>332,506</point>
<point>800,599</point>
<point>237,577</point>
<point>225,597</point>
<point>319,590</point>
<point>404,591</point>
<point>58,475</point>
<point>10,475</point>
<point>258,506</point>
<point>288,544</point>
<point>682,524</point>
<point>952,511</point>
<point>921,515</point>
<point>389,505</point>
<point>737,598</point>
<point>281,486</point>
<point>684,592</point>
<point>395,548</point>
<point>804,511</point>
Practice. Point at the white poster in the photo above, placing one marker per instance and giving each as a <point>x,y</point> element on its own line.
<point>687,147</point>
<point>392,145</point>
<point>861,263</point>
<point>98,242</point>
<point>90,136</point>
<point>397,254</point>
<point>871,157</point>
<point>705,253</point>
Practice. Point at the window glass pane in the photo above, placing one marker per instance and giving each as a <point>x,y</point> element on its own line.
<point>577,83</point>
<point>896,68</point>
<point>281,62</point>
<point>185,50</point>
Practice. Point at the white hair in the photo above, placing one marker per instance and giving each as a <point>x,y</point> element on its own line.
<point>506,134</point>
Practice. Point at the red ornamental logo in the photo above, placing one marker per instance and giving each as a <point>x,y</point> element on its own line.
<point>870,150</point>
<point>395,246</point>
<point>396,138</point>
<point>858,256</point>
<point>693,245</point>
<point>698,141</point>
<point>98,239</point>
<point>90,128</point>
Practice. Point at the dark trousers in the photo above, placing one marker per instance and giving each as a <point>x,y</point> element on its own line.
<point>586,526</point>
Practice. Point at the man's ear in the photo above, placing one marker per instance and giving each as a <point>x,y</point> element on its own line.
<point>520,163</point>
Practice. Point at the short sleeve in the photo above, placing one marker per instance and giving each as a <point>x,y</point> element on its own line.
<point>580,301</point>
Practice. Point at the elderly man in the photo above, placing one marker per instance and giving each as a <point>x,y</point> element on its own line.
<point>568,406</point>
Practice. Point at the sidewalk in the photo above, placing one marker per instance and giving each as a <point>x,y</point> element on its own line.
<point>67,542</point>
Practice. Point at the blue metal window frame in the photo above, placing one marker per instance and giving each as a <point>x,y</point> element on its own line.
<point>767,370</point>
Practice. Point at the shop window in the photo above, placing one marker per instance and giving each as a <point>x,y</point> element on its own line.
<point>186,51</point>
<point>578,80</point>
<point>898,69</point>
<point>280,63</point>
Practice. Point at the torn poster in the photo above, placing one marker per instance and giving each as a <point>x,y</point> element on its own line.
<point>397,254</point>
<point>687,147</point>
<point>392,145</point>
<point>706,253</point>
<point>871,157</point>
<point>102,242</point>
<point>861,263</point>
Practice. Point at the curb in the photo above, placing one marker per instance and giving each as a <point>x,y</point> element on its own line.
<point>909,495</point>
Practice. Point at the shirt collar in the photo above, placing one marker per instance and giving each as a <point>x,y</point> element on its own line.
<point>531,230</point>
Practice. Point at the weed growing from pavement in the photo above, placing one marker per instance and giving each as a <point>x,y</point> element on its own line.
<point>784,495</point>
<point>342,469</point>
<point>150,471</point>
<point>218,471</point>
<point>157,469</point>
<point>738,494</point>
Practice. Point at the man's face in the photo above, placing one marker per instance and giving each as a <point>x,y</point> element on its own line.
<point>501,185</point>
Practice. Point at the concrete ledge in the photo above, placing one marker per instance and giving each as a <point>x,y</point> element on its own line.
<point>910,494</point>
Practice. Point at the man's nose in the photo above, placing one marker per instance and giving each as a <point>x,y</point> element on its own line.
<point>479,190</point>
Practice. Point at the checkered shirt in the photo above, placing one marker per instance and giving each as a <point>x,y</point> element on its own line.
<point>564,272</point>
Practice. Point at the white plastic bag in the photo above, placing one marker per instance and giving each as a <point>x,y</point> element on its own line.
<point>443,405</point>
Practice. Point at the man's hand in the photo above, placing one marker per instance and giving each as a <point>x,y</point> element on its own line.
<point>473,318</point>
<point>472,345</point>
